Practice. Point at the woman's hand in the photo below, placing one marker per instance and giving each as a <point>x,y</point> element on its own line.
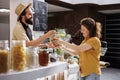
<point>56,42</point>
<point>50,45</point>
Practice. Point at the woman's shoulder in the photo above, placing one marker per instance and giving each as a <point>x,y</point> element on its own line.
<point>94,39</point>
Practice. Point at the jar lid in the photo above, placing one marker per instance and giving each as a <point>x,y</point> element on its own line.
<point>19,43</point>
<point>33,48</point>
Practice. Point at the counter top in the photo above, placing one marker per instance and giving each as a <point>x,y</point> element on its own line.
<point>32,74</point>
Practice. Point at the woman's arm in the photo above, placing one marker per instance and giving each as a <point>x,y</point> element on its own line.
<point>70,51</point>
<point>74,49</point>
<point>70,48</point>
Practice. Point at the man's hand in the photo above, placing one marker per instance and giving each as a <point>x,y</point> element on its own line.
<point>51,32</point>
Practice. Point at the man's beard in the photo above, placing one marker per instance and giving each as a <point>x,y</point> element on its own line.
<point>29,21</point>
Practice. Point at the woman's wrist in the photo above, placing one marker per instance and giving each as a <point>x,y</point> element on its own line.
<point>60,41</point>
<point>63,43</point>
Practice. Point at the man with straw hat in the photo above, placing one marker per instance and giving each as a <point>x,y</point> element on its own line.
<point>22,29</point>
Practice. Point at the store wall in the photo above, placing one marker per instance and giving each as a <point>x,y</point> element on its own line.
<point>71,20</point>
<point>4,31</point>
<point>4,18</point>
<point>99,17</point>
<point>4,26</point>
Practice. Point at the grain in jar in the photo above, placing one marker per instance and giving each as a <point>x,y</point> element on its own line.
<point>18,55</point>
<point>32,57</point>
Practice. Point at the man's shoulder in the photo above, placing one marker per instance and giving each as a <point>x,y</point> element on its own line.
<point>18,26</point>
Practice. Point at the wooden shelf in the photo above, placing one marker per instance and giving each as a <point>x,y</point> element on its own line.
<point>112,24</point>
<point>113,29</point>
<point>113,20</point>
<point>113,39</point>
<point>112,34</point>
<point>32,74</point>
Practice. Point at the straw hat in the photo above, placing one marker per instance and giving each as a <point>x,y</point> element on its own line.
<point>20,8</point>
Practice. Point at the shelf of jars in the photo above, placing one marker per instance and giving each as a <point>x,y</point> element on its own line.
<point>26,63</point>
<point>34,73</point>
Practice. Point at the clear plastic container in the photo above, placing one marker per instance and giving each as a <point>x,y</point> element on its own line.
<point>32,57</point>
<point>4,56</point>
<point>18,55</point>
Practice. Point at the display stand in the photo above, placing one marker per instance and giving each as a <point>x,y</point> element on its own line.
<point>32,74</point>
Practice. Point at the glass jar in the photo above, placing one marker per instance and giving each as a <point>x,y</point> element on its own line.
<point>43,58</point>
<point>4,56</point>
<point>32,57</point>
<point>18,55</point>
<point>61,33</point>
<point>60,54</point>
